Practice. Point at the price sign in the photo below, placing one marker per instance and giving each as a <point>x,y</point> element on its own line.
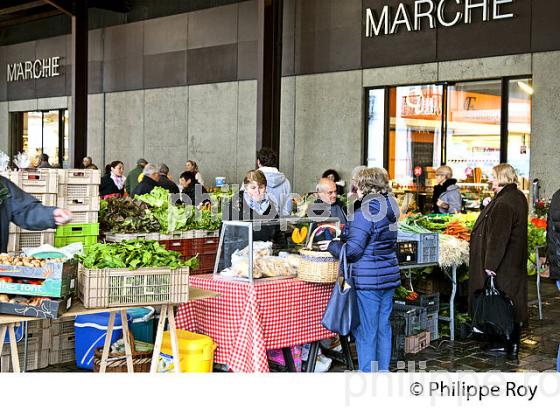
<point>417,171</point>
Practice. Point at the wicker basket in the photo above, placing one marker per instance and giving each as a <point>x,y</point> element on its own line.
<point>318,266</point>
<point>116,362</point>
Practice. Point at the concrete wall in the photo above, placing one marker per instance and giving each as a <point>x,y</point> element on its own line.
<point>545,147</point>
<point>321,119</point>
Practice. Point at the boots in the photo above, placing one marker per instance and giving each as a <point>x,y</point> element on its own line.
<point>513,344</point>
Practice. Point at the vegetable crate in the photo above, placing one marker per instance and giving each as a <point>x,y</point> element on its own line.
<point>120,237</point>
<point>417,343</point>
<point>416,318</point>
<point>26,239</point>
<point>201,246</point>
<point>103,288</point>
<point>407,252</point>
<point>78,191</point>
<point>62,326</point>
<point>205,265</point>
<point>46,199</point>
<point>72,233</point>
<point>62,356</point>
<point>37,355</point>
<point>398,326</point>
<point>428,245</point>
<point>78,230</point>
<point>37,181</point>
<point>79,204</point>
<point>433,326</point>
<point>62,241</point>
<point>429,301</point>
<point>85,217</point>
<point>79,176</point>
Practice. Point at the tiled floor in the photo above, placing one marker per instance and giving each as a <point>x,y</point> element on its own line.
<point>539,346</point>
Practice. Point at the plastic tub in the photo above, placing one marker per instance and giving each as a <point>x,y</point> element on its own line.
<point>90,333</point>
<point>196,353</point>
<point>142,323</point>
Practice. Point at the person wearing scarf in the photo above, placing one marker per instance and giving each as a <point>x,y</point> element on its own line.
<point>254,203</point>
<point>112,184</point>
<point>446,198</point>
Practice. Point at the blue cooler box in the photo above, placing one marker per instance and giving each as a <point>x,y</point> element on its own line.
<point>142,323</point>
<point>90,333</point>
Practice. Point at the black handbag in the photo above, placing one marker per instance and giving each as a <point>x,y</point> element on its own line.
<point>493,311</point>
<point>341,315</point>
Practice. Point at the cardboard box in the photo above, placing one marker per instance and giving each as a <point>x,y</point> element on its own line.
<point>59,280</point>
<point>47,309</point>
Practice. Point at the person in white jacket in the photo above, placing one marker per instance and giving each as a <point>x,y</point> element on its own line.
<point>278,186</point>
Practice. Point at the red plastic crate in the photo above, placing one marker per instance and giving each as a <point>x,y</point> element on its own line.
<point>174,245</point>
<point>201,246</point>
<point>205,265</point>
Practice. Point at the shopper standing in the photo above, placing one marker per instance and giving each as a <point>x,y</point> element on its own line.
<point>112,183</point>
<point>192,166</point>
<point>498,247</point>
<point>278,185</point>
<point>447,195</point>
<point>371,239</point>
<point>553,236</point>
<point>133,177</point>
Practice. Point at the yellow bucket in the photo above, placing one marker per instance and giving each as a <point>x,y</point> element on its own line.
<point>196,353</point>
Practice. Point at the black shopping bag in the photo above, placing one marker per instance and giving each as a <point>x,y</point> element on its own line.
<point>492,311</point>
<point>341,314</point>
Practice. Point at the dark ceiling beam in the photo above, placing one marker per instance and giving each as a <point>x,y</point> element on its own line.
<point>66,6</point>
<point>29,18</point>
<point>21,7</point>
<point>119,6</point>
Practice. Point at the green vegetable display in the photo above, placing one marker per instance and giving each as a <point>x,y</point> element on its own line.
<point>125,215</point>
<point>132,255</point>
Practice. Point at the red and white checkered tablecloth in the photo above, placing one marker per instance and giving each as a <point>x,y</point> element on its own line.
<point>249,319</point>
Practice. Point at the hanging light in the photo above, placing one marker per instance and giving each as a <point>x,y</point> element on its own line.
<point>526,87</point>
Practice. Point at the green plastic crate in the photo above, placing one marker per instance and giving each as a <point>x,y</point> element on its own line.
<point>78,230</point>
<point>61,241</point>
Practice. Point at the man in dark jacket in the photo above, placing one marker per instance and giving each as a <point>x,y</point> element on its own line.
<point>327,204</point>
<point>25,211</point>
<point>553,236</point>
<point>149,182</point>
<point>133,175</point>
<point>164,180</point>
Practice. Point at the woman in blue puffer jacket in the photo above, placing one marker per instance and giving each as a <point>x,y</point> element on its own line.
<point>371,239</point>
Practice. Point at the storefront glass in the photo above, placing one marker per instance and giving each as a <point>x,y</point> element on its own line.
<point>415,119</point>
<point>519,127</point>
<point>376,127</point>
<point>473,129</point>
<point>41,133</point>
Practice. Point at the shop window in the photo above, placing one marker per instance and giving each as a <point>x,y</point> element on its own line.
<point>519,127</point>
<point>376,127</point>
<point>473,129</point>
<point>37,132</point>
<point>415,122</point>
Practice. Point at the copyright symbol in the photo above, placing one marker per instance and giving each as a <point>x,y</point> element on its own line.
<point>416,389</point>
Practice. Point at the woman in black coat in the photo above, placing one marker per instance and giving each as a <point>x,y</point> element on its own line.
<point>498,247</point>
<point>553,236</point>
<point>112,184</point>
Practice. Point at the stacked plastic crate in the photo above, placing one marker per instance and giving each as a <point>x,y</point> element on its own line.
<point>38,340</point>
<point>42,184</point>
<point>62,341</point>
<point>78,191</point>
